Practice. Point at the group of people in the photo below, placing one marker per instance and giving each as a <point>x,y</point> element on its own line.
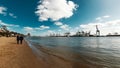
<point>19,39</point>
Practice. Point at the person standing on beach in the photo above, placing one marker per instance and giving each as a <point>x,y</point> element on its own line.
<point>17,38</point>
<point>21,39</point>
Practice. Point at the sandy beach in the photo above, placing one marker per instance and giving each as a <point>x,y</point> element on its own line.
<point>14,55</point>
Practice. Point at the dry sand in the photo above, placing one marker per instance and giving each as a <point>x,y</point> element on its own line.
<point>14,55</point>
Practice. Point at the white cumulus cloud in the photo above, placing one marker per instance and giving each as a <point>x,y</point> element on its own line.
<point>62,26</point>
<point>55,9</point>
<point>107,16</point>
<point>50,31</point>
<point>58,23</point>
<point>8,25</point>
<point>28,28</point>
<point>3,10</point>
<point>33,29</point>
<point>12,15</point>
<point>100,19</point>
<point>42,27</point>
<point>65,27</point>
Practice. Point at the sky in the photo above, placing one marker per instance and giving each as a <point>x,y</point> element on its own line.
<point>42,17</point>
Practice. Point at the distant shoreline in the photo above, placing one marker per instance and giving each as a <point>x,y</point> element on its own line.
<point>80,36</point>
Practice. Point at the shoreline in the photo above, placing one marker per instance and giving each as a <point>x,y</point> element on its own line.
<point>14,55</point>
<point>54,60</point>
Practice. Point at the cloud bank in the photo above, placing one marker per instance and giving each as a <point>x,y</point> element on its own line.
<point>55,9</point>
<point>105,27</point>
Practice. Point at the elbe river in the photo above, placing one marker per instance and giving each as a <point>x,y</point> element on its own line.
<point>103,52</point>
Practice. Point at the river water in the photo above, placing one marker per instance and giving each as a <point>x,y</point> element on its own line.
<point>95,52</point>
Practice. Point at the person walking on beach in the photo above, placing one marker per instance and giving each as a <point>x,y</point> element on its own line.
<point>21,39</point>
<point>17,38</point>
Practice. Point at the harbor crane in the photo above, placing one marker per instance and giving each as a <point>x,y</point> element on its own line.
<point>97,31</point>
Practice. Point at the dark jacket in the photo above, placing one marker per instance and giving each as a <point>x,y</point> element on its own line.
<point>17,38</point>
<point>20,38</point>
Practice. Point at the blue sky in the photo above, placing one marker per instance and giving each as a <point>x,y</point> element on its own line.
<point>42,17</point>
